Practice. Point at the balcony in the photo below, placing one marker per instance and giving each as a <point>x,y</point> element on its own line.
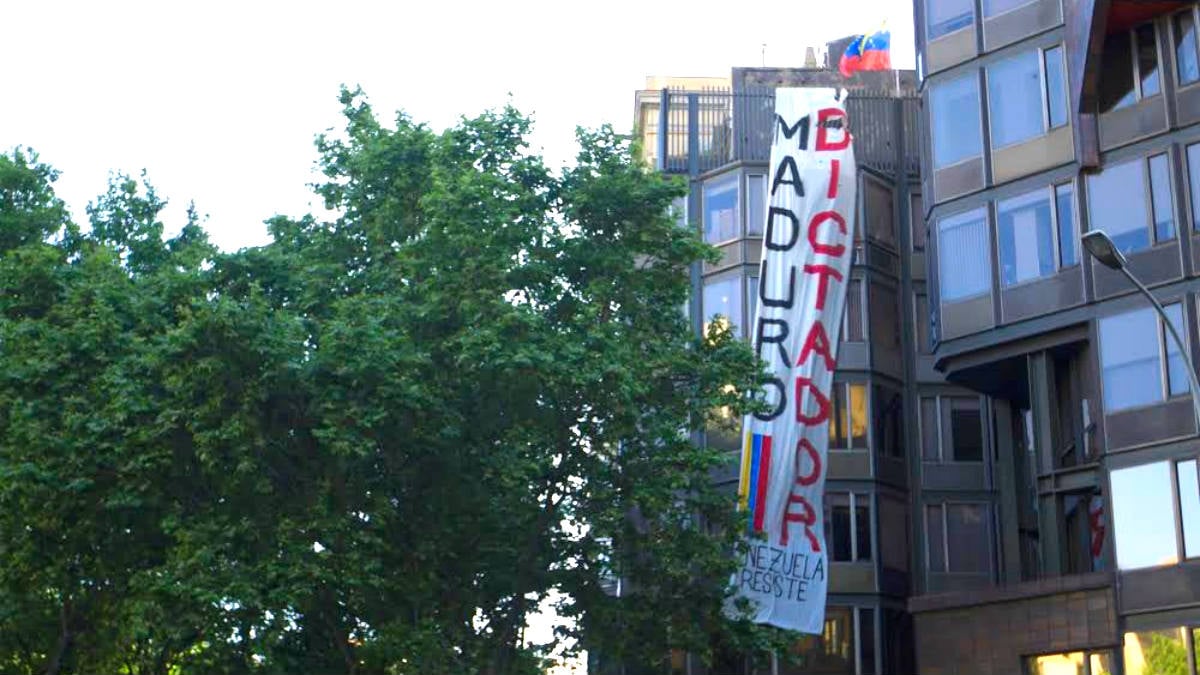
<point>710,128</point>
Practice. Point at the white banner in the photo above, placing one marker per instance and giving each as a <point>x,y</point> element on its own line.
<point>808,245</point>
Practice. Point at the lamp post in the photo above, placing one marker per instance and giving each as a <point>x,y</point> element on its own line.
<point>1102,248</point>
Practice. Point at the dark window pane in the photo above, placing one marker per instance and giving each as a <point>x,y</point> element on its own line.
<point>929,430</point>
<point>968,535</point>
<point>880,221</point>
<point>889,422</point>
<point>854,313</point>
<point>893,533</point>
<point>1025,229</point>
<point>1117,205</point>
<point>1143,520</point>
<point>1117,85</point>
<point>1015,99</point>
<point>1130,365</point>
<point>858,415</point>
<point>862,525</point>
<point>936,538</point>
<point>954,120</point>
<point>1147,56</point>
<point>965,237</point>
<point>1177,379</point>
<point>1185,47</point>
<point>838,527</point>
<point>947,16</point>
<point>917,215</point>
<point>721,210</point>
<point>922,324</point>
<point>866,640</point>
<point>1064,200</point>
<point>1056,88</point>
<point>966,429</point>
<point>837,417</point>
<point>756,198</point>
<point>1160,198</point>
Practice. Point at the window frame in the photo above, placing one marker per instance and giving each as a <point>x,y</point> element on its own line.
<point>853,501</point>
<point>740,277</point>
<point>1052,193</point>
<point>916,221</point>
<point>847,436</point>
<point>721,182</point>
<point>943,507</point>
<point>1194,11</point>
<point>930,37</point>
<point>962,219</point>
<point>1147,177</point>
<point>942,404</point>
<point>973,76</point>
<point>1043,89</point>
<point>855,284</point>
<point>746,219</point>
<point>1164,356</point>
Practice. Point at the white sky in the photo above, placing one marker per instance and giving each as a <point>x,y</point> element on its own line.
<point>220,101</point>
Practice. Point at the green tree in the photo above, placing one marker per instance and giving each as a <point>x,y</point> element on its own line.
<point>376,444</point>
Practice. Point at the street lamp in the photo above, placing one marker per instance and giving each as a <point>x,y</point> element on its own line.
<point>1102,248</point>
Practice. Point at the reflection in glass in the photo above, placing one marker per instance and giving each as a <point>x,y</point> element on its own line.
<point>1193,160</point>
<point>1056,88</point>
<point>1056,664</point>
<point>1064,202</point>
<point>830,652</point>
<point>721,210</point>
<point>854,312</point>
<point>723,297</point>
<point>1117,88</point>
<point>1186,65</point>
<point>1177,379</point>
<point>1160,199</point>
<point>1129,359</point>
<point>878,200</point>
<point>1117,205</point>
<point>1026,233</point>
<point>858,415</point>
<point>1157,652</point>
<point>968,538</point>
<point>866,640</point>
<point>1143,518</point>
<point>756,198</point>
<point>1147,58</point>
<point>1015,99</point>
<point>954,120</point>
<point>964,238</point>
<point>947,16</point>
<point>1189,507</point>
<point>838,528</point>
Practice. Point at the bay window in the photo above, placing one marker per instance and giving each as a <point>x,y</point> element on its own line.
<point>1139,362</point>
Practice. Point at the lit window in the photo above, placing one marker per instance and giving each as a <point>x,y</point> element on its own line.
<point>848,418</point>
<point>847,638</point>
<point>1016,91</point>
<point>1117,203</point>
<point>954,120</point>
<point>1133,370</point>
<point>947,16</point>
<point>1183,28</point>
<point>723,297</point>
<point>1130,67</point>
<point>721,210</point>
<point>1070,663</point>
<point>964,238</point>
<point>1150,652</point>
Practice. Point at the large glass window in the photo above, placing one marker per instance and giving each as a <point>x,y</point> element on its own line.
<point>1117,203</point>
<point>1130,67</point>
<point>1156,652</point>
<point>946,16</point>
<point>1132,350</point>
<point>889,422</point>
<point>848,418</point>
<point>1016,93</point>
<point>723,297</point>
<point>951,429</point>
<point>879,217</point>
<point>1025,227</point>
<point>893,533</point>
<point>756,204</point>
<point>959,537</point>
<point>1183,28</point>
<point>964,256</point>
<point>1070,663</point>
<point>848,526</point>
<point>954,120</point>
<point>1143,516</point>
<point>721,210</point>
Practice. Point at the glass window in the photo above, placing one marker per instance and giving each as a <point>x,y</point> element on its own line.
<point>1056,88</point>
<point>1026,231</point>
<point>1193,161</point>
<point>1147,58</point>
<point>966,429</point>
<point>964,238</point>
<point>833,651</point>
<point>893,530</point>
<point>994,7</point>
<point>837,417</point>
<point>1015,99</point>
<point>968,538</point>
<point>721,210</point>
<point>866,640</point>
<point>889,422</point>
<point>1117,88</point>
<point>1157,652</point>
<point>1064,204</point>
<point>1160,198</point>
<point>1131,349</point>
<point>954,120</point>
<point>1117,205</point>
<point>917,218</point>
<point>1189,506</point>
<point>756,204</point>
<point>857,415</point>
<point>752,294</point>
<point>839,530</point>
<point>1070,663</point>
<point>862,527</point>
<point>947,16</point>
<point>1187,66</point>
<point>1143,516</point>
<point>935,528</point>
<point>922,323</point>
<point>930,434</point>
<point>723,296</point>
<point>853,331</point>
<point>880,223</point>
<point>1102,663</point>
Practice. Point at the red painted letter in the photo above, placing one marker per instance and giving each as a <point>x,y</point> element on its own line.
<point>807,519</point>
<point>813,475</point>
<point>835,250</point>
<point>822,413</point>
<point>823,272</point>
<point>817,341</point>
<point>825,119</point>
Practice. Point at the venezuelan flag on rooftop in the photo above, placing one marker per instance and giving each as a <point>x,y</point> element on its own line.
<point>867,52</point>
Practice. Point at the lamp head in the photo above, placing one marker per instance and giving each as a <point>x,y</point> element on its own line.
<point>1102,248</point>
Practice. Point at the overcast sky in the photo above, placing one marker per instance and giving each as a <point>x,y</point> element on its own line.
<point>219,101</point>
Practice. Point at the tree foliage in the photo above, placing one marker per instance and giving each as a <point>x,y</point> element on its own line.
<point>376,444</point>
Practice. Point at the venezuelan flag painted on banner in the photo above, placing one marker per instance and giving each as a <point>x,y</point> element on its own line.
<point>868,52</point>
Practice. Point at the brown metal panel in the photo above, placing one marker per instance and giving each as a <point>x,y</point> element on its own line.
<point>849,465</point>
<point>966,317</point>
<point>1022,22</point>
<point>1187,105</point>
<point>1161,587</point>
<point>1085,22</point>
<point>958,179</point>
<point>1152,266</point>
<point>1125,125</point>
<point>951,50</point>
<point>1051,294</point>
<point>1152,424</point>
<point>969,476</point>
<point>1055,148</point>
<point>848,577</point>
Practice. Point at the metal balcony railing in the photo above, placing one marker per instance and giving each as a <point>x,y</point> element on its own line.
<point>702,130</point>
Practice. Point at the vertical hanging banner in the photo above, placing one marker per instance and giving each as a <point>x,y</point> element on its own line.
<point>808,246</point>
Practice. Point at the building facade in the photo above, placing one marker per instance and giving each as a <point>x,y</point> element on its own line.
<point>1054,488</point>
<point>719,138</point>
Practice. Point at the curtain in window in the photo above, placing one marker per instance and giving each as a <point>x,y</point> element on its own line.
<point>964,257</point>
